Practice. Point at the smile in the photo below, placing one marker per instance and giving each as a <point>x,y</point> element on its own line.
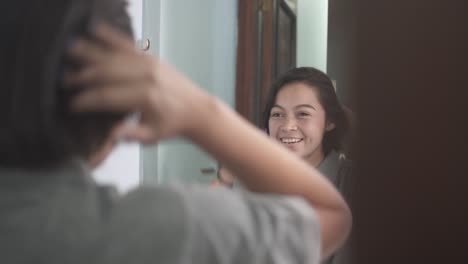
<point>290,140</point>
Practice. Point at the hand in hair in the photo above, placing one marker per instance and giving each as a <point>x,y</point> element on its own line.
<point>120,78</point>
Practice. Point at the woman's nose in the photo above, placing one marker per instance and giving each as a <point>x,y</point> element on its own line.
<point>289,124</point>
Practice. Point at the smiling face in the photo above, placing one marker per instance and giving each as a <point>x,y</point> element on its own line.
<point>298,121</point>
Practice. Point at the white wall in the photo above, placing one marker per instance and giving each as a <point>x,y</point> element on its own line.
<point>122,168</point>
<point>198,37</point>
<point>312,28</point>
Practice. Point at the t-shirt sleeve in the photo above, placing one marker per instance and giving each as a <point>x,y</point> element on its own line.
<point>242,227</point>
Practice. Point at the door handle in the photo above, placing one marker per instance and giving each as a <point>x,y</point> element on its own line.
<point>144,44</point>
<point>208,171</point>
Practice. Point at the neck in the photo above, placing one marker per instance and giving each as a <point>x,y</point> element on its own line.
<point>315,158</point>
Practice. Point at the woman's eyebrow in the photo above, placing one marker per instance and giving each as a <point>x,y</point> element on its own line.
<point>277,105</point>
<point>305,105</point>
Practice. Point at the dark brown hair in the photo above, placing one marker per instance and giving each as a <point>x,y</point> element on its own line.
<point>37,128</point>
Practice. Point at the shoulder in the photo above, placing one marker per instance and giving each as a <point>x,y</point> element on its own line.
<point>149,200</point>
<point>338,169</point>
<point>155,208</point>
<point>248,227</point>
<point>346,178</point>
<point>335,167</point>
<point>146,224</point>
<point>345,165</point>
<point>182,224</point>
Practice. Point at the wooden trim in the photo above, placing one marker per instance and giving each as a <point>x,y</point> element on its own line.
<point>246,57</point>
<point>268,58</point>
<point>284,6</point>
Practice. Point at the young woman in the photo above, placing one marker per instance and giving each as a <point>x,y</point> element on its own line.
<point>70,75</point>
<point>304,115</point>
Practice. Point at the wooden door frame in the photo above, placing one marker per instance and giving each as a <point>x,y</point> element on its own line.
<point>255,62</point>
<point>256,54</point>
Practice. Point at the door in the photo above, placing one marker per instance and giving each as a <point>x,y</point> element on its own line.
<point>199,39</point>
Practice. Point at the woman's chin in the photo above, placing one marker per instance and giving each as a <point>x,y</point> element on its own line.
<point>294,148</point>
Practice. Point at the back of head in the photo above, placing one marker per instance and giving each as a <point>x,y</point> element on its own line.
<point>38,130</point>
<point>334,111</point>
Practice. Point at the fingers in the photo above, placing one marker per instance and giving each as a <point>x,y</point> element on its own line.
<point>102,64</point>
<point>113,38</point>
<point>116,78</point>
<point>117,98</point>
<point>139,133</point>
<point>86,51</point>
<point>108,46</point>
<point>112,71</point>
<point>88,76</point>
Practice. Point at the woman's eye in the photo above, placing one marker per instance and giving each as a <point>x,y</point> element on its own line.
<point>303,114</point>
<point>275,115</point>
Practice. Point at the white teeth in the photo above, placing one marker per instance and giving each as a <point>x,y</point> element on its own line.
<point>290,140</point>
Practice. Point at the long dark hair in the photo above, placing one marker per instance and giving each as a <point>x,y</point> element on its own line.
<point>37,128</point>
<point>334,112</point>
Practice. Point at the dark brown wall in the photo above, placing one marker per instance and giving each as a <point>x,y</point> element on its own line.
<point>341,48</point>
<point>410,199</point>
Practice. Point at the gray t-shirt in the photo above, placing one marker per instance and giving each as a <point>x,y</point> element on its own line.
<point>62,216</point>
<point>338,170</point>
